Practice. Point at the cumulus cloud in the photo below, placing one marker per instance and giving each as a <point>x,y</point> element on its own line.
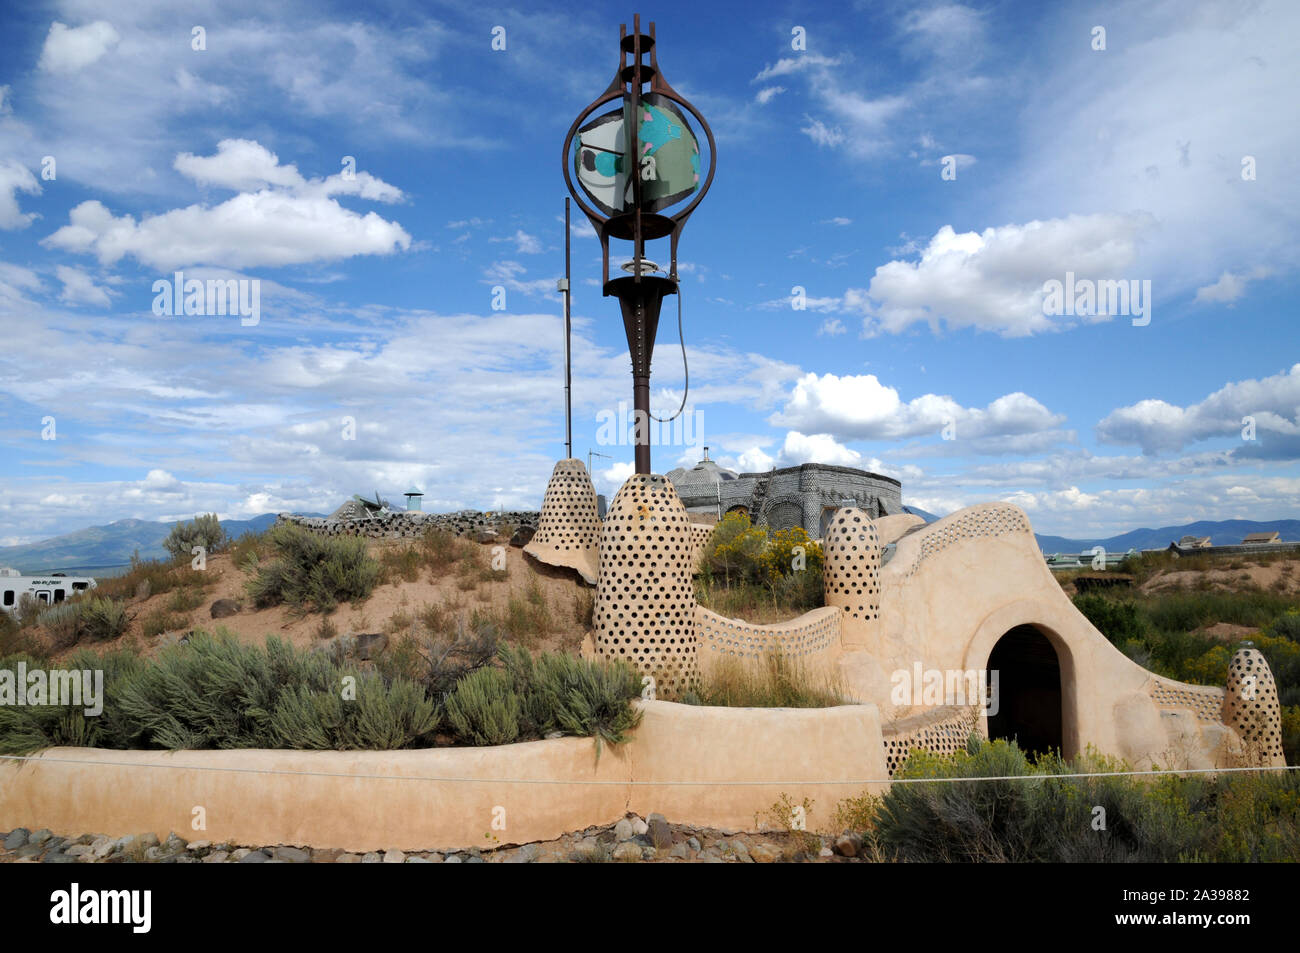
<point>816,448</point>
<point>993,280</point>
<point>290,220</point>
<point>767,94</point>
<point>860,407</point>
<point>14,178</point>
<point>68,49</point>
<point>79,288</point>
<point>1272,403</point>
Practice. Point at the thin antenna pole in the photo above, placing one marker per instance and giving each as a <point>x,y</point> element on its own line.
<point>568,369</point>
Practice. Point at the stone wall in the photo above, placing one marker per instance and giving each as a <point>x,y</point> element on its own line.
<point>403,525</point>
<point>802,495</point>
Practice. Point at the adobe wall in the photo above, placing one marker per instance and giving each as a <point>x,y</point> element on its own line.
<point>678,762</point>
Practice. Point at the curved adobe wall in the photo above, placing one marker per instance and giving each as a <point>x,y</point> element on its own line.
<point>568,528</point>
<point>328,800</point>
<point>955,587</point>
<point>645,596</point>
<point>812,639</point>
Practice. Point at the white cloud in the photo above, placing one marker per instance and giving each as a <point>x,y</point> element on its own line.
<point>862,408</point>
<point>816,448</point>
<point>767,94</point>
<point>832,327</point>
<point>1156,425</point>
<point>796,64</point>
<point>267,228</point>
<point>837,220</point>
<point>993,280</point>
<point>79,288</point>
<point>822,134</point>
<point>67,49</point>
<point>14,178</point>
<point>1229,287</point>
<point>525,244</point>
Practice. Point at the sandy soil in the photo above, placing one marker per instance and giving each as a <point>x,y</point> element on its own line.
<point>566,596</point>
<point>1279,576</point>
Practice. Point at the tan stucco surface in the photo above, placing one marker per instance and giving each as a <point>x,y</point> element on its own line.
<point>449,797</point>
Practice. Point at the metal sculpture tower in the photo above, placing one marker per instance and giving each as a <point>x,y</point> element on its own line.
<point>631,164</point>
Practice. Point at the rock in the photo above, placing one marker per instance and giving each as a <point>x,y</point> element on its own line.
<point>474,859</point>
<point>371,858</point>
<point>552,735</point>
<point>40,837</point>
<point>661,835</point>
<point>392,856</point>
<point>292,855</point>
<point>16,838</point>
<point>524,855</point>
<point>765,854</point>
<point>435,858</point>
<point>627,852</point>
<point>639,826</point>
<point>147,840</point>
<point>29,851</point>
<point>173,844</point>
<point>523,536</point>
<point>681,852</point>
<point>623,831</point>
<point>56,857</point>
<point>143,590</point>
<point>255,857</point>
<point>122,843</point>
<point>453,859</point>
<point>416,860</point>
<point>370,644</point>
<point>325,856</point>
<point>348,859</point>
<point>240,854</point>
<point>77,850</point>
<point>101,847</point>
<point>216,857</point>
<point>848,845</point>
<point>826,852</point>
<point>693,843</point>
<point>198,845</point>
<point>224,608</point>
<point>486,535</point>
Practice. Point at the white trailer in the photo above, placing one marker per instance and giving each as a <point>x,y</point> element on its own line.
<point>50,588</point>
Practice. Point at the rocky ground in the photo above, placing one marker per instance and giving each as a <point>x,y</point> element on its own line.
<point>631,840</point>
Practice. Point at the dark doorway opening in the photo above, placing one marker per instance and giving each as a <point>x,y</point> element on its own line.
<point>1029,691</point>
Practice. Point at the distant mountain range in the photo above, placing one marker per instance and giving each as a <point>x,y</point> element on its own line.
<point>108,547</point>
<point>1221,533</point>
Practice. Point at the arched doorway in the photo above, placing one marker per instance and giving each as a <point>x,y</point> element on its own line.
<point>1028,691</point>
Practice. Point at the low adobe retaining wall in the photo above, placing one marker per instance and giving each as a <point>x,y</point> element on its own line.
<point>715,767</point>
<point>811,640</point>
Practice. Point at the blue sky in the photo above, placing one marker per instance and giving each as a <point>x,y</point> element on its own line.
<point>924,293</point>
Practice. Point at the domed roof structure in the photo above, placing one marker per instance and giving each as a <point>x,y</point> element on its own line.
<point>700,477</point>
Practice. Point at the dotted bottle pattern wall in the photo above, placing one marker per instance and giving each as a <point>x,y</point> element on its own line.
<point>645,597</point>
<point>568,527</point>
<point>852,570</point>
<point>1251,706</point>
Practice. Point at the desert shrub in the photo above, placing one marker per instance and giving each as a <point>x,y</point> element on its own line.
<point>186,598</point>
<point>311,572</point>
<point>401,562</point>
<point>1120,622</point>
<point>102,619</point>
<point>1046,814</point>
<point>247,551</point>
<point>160,620</point>
<point>788,552</point>
<point>15,639</point>
<point>775,681</point>
<point>383,716</point>
<point>574,695</point>
<point>62,624</point>
<point>485,709</point>
<point>203,531</point>
<point>1287,626</point>
<point>735,548</point>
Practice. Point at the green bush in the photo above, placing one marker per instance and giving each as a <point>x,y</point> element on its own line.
<point>574,695</point>
<point>1120,622</point>
<point>1051,816</point>
<point>735,548</point>
<point>203,531</point>
<point>313,572</point>
<point>485,709</point>
<point>102,619</point>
